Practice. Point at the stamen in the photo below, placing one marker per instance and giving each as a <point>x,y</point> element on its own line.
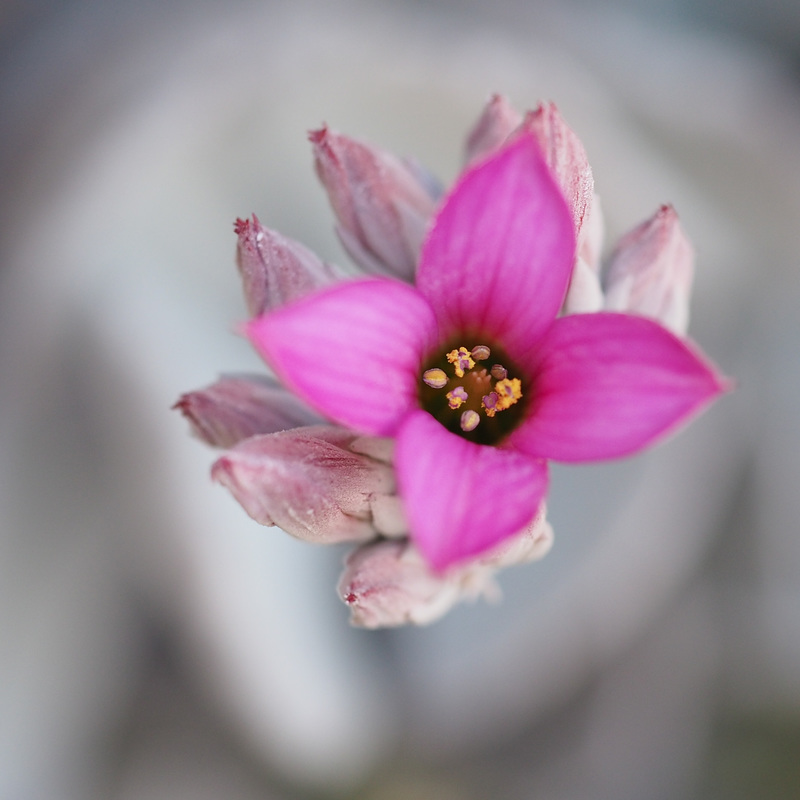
<point>508,392</point>
<point>435,378</point>
<point>464,391</point>
<point>489,403</point>
<point>457,397</point>
<point>461,360</point>
<point>469,420</point>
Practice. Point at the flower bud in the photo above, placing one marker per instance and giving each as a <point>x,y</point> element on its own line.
<point>382,206</point>
<point>274,268</point>
<point>239,406</point>
<point>498,120</point>
<point>565,155</point>
<point>530,544</point>
<point>307,481</point>
<point>651,272</point>
<point>387,584</point>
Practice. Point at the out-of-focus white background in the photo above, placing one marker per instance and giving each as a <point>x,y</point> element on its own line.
<point>154,641</point>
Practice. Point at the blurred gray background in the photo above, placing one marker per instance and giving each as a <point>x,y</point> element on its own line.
<point>154,641</point>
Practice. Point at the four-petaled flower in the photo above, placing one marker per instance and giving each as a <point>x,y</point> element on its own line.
<point>472,370</point>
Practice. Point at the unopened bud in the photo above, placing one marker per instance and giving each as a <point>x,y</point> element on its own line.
<point>565,155</point>
<point>530,544</point>
<point>382,206</point>
<point>651,272</point>
<point>239,406</point>
<point>307,481</point>
<point>274,268</point>
<point>497,121</point>
<point>388,584</point>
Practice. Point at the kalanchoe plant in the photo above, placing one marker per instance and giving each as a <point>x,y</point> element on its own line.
<point>452,375</point>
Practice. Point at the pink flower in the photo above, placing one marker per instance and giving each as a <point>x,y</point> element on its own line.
<point>470,380</point>
<point>473,372</point>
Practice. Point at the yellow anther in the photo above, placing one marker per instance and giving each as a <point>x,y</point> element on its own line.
<point>489,404</point>
<point>469,420</point>
<point>457,397</point>
<point>435,378</point>
<point>462,360</point>
<point>481,352</point>
<point>508,391</point>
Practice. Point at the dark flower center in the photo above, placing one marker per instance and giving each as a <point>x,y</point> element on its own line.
<point>473,392</point>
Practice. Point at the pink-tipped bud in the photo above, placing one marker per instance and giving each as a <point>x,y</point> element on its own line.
<point>566,157</point>
<point>651,272</point>
<point>239,406</point>
<point>530,544</point>
<point>382,206</point>
<point>388,584</point>
<point>495,124</point>
<point>307,481</point>
<point>274,268</point>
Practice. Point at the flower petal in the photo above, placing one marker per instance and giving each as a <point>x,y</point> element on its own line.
<point>239,406</point>
<point>606,385</point>
<point>498,259</point>
<point>352,351</point>
<point>461,498</point>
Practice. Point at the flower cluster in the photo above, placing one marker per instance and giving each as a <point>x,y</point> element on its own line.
<point>416,408</point>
